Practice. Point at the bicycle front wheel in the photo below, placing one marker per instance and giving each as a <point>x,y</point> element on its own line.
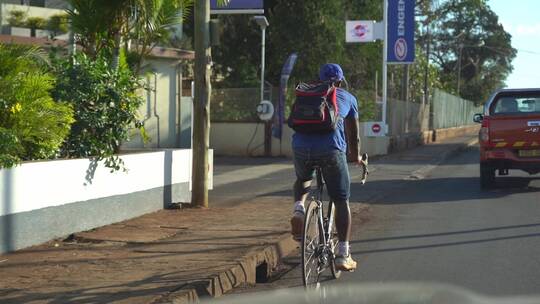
<point>311,241</point>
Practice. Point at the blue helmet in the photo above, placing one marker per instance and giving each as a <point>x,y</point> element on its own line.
<point>331,72</point>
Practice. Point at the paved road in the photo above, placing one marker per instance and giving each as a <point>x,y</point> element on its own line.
<point>443,228</point>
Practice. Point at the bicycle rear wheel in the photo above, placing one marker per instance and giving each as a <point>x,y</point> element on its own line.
<point>311,241</point>
<point>333,239</point>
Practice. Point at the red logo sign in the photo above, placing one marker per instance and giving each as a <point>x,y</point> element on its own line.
<point>360,30</point>
<point>376,128</point>
<point>400,49</point>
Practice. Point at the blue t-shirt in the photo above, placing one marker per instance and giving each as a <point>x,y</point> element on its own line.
<point>347,108</point>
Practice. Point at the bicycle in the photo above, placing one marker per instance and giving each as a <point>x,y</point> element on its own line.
<point>319,239</point>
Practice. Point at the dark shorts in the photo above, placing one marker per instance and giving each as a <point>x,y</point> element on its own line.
<point>334,168</point>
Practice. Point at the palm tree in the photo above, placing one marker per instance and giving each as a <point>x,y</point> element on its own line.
<point>32,124</point>
<point>105,26</point>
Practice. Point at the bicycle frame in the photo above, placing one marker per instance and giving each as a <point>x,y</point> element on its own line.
<point>328,240</point>
<point>326,229</point>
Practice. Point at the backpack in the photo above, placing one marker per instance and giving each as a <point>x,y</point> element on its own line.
<point>315,110</point>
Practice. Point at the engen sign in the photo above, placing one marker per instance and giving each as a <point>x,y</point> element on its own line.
<point>401,26</point>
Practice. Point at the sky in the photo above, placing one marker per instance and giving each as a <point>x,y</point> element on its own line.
<point>520,19</point>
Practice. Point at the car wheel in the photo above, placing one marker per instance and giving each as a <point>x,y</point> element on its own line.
<point>487,176</point>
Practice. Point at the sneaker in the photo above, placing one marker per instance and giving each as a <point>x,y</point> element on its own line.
<point>345,263</point>
<point>297,225</point>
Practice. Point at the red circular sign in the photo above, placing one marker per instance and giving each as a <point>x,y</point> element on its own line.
<point>376,128</point>
<point>360,30</point>
<point>400,49</point>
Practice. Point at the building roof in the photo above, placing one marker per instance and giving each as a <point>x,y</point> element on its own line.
<point>172,53</point>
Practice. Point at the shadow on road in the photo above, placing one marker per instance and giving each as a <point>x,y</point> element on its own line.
<point>446,244</point>
<point>458,232</point>
<point>435,190</point>
<point>426,155</point>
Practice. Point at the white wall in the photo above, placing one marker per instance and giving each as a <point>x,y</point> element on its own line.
<point>161,108</point>
<point>32,11</point>
<point>233,139</point>
<point>37,185</point>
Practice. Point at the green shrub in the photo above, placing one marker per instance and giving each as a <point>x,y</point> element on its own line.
<point>36,22</point>
<point>58,24</point>
<point>32,125</point>
<point>17,18</point>
<point>367,107</point>
<point>105,103</point>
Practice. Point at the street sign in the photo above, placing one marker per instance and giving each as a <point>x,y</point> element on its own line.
<point>374,128</point>
<point>359,31</point>
<point>400,32</point>
<point>363,31</point>
<point>238,7</point>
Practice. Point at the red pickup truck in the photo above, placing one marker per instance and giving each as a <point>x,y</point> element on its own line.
<point>510,134</point>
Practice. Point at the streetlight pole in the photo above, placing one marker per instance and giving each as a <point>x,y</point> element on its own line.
<point>263,23</point>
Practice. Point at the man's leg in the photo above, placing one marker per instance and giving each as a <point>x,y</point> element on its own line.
<point>336,175</point>
<point>343,220</point>
<point>304,175</point>
<point>301,190</point>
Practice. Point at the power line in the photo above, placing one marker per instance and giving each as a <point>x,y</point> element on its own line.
<point>526,51</point>
<point>504,51</point>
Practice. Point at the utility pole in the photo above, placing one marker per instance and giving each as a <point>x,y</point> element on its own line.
<point>459,69</point>
<point>385,65</point>
<point>425,100</point>
<point>201,105</point>
<point>405,96</point>
<point>405,83</point>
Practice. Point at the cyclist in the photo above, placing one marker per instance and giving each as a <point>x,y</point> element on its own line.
<point>329,151</point>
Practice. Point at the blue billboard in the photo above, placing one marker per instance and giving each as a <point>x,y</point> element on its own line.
<point>401,26</point>
<point>279,118</point>
<point>238,5</point>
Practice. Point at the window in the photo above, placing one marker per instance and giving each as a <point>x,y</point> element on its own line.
<point>517,104</point>
<point>40,3</point>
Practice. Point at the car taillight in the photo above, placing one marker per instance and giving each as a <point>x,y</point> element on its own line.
<point>484,131</point>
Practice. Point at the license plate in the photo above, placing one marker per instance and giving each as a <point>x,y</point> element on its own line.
<point>529,153</point>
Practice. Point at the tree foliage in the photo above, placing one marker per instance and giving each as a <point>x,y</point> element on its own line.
<point>471,45</point>
<point>32,125</point>
<point>315,29</point>
<point>105,101</point>
<point>106,27</point>
<point>17,18</point>
<point>58,24</point>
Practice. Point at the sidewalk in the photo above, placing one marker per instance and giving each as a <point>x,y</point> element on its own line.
<point>182,254</point>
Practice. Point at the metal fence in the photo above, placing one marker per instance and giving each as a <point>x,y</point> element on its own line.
<point>451,111</point>
<point>407,117</point>
<point>238,104</point>
<point>234,105</point>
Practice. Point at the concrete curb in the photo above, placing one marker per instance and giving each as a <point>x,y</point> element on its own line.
<point>245,271</point>
<point>422,172</point>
